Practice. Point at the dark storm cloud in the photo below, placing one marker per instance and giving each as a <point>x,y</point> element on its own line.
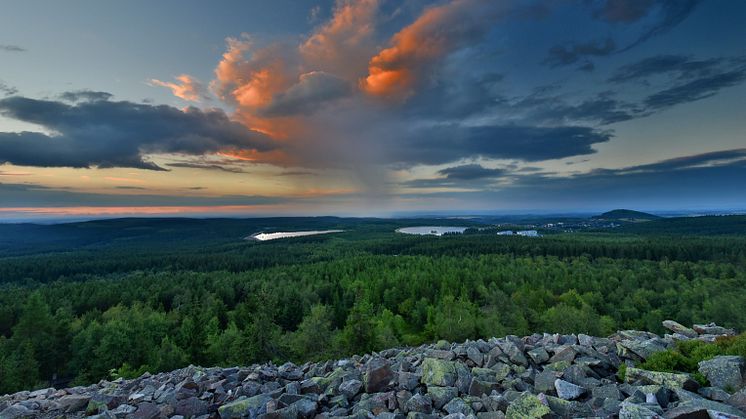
<point>449,143</point>
<point>312,90</point>
<point>687,162</point>
<point>459,176</point>
<point>11,48</point>
<point>85,95</point>
<point>560,55</point>
<point>116,134</point>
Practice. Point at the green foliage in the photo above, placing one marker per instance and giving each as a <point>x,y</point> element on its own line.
<point>125,307</point>
<point>621,373</point>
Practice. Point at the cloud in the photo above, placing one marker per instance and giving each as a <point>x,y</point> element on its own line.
<point>684,67</point>
<point>560,55</point>
<point>313,90</point>
<point>205,166</point>
<point>117,134</point>
<point>342,45</point>
<point>187,88</point>
<point>11,48</point>
<point>696,89</point>
<point>397,70</point>
<point>6,90</point>
<point>459,176</point>
<point>85,96</point>
<point>449,143</point>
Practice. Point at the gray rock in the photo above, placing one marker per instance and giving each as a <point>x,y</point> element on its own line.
<point>568,391</point>
<point>725,372</point>
<point>714,393</point>
<point>679,328</point>
<point>350,388</point>
<point>544,381</point>
<point>441,395</point>
<point>476,356</point>
<point>713,329</point>
<point>458,405</point>
<point>538,355</point>
<point>419,403</point>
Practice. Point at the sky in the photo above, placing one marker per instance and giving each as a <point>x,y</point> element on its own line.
<point>370,107</point>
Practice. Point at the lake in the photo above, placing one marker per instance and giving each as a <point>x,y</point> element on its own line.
<point>262,237</point>
<point>431,230</point>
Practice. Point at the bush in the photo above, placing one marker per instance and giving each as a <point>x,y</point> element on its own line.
<point>688,354</point>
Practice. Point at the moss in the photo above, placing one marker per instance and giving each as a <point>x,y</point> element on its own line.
<point>622,372</point>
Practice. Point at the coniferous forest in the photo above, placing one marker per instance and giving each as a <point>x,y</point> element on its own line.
<point>85,301</point>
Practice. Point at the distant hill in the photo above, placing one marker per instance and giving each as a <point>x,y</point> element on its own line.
<point>626,215</point>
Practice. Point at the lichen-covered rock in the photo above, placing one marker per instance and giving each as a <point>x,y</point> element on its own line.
<point>725,372</point>
<point>672,380</point>
<point>251,406</point>
<point>527,406</point>
<point>436,372</point>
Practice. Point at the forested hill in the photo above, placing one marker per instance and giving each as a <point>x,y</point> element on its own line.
<point>627,216</point>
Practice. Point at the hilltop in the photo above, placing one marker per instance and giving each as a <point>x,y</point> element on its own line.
<point>537,376</point>
<point>626,215</point>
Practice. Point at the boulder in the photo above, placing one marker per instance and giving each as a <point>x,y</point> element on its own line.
<point>679,328</point>
<point>436,372</point>
<point>725,372</point>
<point>419,403</point>
<point>568,391</point>
<point>713,329</point>
<point>350,388</point>
<point>250,406</point>
<point>441,395</point>
<point>527,406</point>
<point>672,380</point>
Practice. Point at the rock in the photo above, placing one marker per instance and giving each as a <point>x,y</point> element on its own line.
<point>527,406</point>
<point>479,387</point>
<point>419,403</point>
<point>408,380</point>
<point>643,348</point>
<point>640,376</point>
<point>714,393</point>
<point>376,403</point>
<point>609,391</point>
<point>639,411</point>
<point>514,353</point>
<point>441,395</point>
<point>538,355</point>
<point>74,402</point>
<point>567,390</point>
<point>491,415</point>
<point>290,412</point>
<point>475,355</point>
<point>17,411</point>
<point>251,406</point>
<point>725,372</point>
<point>738,400</point>
<point>458,405</point>
<point>436,372</point>
<point>350,388</point>
<point>146,410</point>
<point>544,381</point>
<point>378,375</point>
<point>679,328</point>
<point>688,399</point>
<point>190,407</point>
<point>713,329</point>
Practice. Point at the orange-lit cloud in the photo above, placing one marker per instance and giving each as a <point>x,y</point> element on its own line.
<point>120,211</point>
<point>343,45</point>
<point>188,88</point>
<point>396,71</point>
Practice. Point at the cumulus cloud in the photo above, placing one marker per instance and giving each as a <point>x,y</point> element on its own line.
<point>440,30</point>
<point>85,96</point>
<point>186,87</point>
<point>116,134</point>
<point>466,175</point>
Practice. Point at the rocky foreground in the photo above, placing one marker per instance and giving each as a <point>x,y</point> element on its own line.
<point>537,376</point>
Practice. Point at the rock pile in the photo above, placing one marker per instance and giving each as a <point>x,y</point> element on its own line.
<point>537,376</point>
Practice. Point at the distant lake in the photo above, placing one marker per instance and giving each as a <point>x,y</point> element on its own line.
<point>262,237</point>
<point>431,230</point>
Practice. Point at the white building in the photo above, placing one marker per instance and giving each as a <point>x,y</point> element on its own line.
<point>505,233</point>
<point>528,233</point>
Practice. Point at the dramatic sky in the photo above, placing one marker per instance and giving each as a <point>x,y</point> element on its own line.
<point>370,107</point>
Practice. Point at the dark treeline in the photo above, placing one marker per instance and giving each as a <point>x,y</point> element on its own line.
<point>87,315</point>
